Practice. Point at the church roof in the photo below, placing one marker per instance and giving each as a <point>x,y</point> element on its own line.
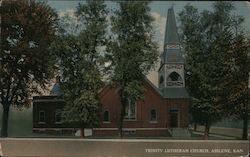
<point>174,56</point>
<point>56,89</point>
<point>169,92</point>
<point>172,51</point>
<point>171,35</point>
<point>175,93</point>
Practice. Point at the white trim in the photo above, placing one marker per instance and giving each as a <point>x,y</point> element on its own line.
<point>105,128</point>
<point>53,129</point>
<point>150,128</point>
<point>41,123</point>
<point>49,100</point>
<point>106,122</point>
<point>39,129</point>
<point>172,46</point>
<point>130,129</point>
<point>58,122</point>
<point>153,122</point>
<point>129,120</point>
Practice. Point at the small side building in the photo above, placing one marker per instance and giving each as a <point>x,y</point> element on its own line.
<point>47,116</point>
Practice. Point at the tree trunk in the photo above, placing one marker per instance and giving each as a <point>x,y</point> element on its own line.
<point>195,126</point>
<point>5,119</point>
<point>245,121</point>
<point>82,132</point>
<point>122,114</point>
<point>206,131</point>
<point>121,120</point>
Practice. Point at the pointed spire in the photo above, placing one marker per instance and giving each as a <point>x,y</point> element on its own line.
<point>172,50</point>
<point>171,35</point>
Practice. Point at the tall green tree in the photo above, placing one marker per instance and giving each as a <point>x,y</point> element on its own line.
<point>132,51</point>
<point>81,61</point>
<point>26,62</point>
<point>237,84</point>
<point>210,39</point>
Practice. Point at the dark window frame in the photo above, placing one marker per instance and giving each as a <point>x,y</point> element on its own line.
<point>43,119</point>
<point>175,114</point>
<point>58,112</point>
<point>153,116</point>
<point>106,116</point>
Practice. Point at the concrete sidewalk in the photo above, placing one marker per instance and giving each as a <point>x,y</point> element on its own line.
<point>121,147</point>
<point>235,133</point>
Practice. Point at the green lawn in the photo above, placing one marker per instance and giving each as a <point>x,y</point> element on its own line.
<point>20,122</point>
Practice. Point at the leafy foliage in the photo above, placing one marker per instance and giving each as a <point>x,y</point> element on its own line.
<point>214,60</point>
<point>26,61</point>
<point>132,51</point>
<point>81,61</point>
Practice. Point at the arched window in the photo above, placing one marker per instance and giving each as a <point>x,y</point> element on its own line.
<point>174,76</point>
<point>153,115</point>
<point>106,116</point>
<point>130,110</point>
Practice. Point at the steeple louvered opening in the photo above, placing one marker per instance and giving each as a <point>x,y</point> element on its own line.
<point>174,76</point>
<point>174,80</point>
<point>171,72</point>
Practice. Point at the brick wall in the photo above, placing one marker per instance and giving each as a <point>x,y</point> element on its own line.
<point>152,100</point>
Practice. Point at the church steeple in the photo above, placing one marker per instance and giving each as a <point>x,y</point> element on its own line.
<point>172,48</point>
<point>171,71</point>
<point>171,35</point>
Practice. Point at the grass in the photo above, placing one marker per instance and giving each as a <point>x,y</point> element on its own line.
<point>20,122</point>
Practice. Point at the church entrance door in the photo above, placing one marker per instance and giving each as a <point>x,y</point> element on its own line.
<point>174,118</point>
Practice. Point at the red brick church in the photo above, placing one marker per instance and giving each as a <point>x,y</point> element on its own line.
<point>162,109</point>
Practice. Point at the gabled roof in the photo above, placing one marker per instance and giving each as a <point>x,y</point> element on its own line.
<point>169,92</point>
<point>153,86</point>
<point>164,93</point>
<point>175,93</point>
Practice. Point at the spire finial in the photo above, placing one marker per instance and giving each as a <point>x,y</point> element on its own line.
<point>173,4</point>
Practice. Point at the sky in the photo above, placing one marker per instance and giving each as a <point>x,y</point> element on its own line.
<point>159,12</point>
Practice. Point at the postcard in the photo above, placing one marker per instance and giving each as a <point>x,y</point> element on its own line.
<point>124,78</point>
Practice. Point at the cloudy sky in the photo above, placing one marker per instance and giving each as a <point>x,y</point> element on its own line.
<point>159,12</point>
